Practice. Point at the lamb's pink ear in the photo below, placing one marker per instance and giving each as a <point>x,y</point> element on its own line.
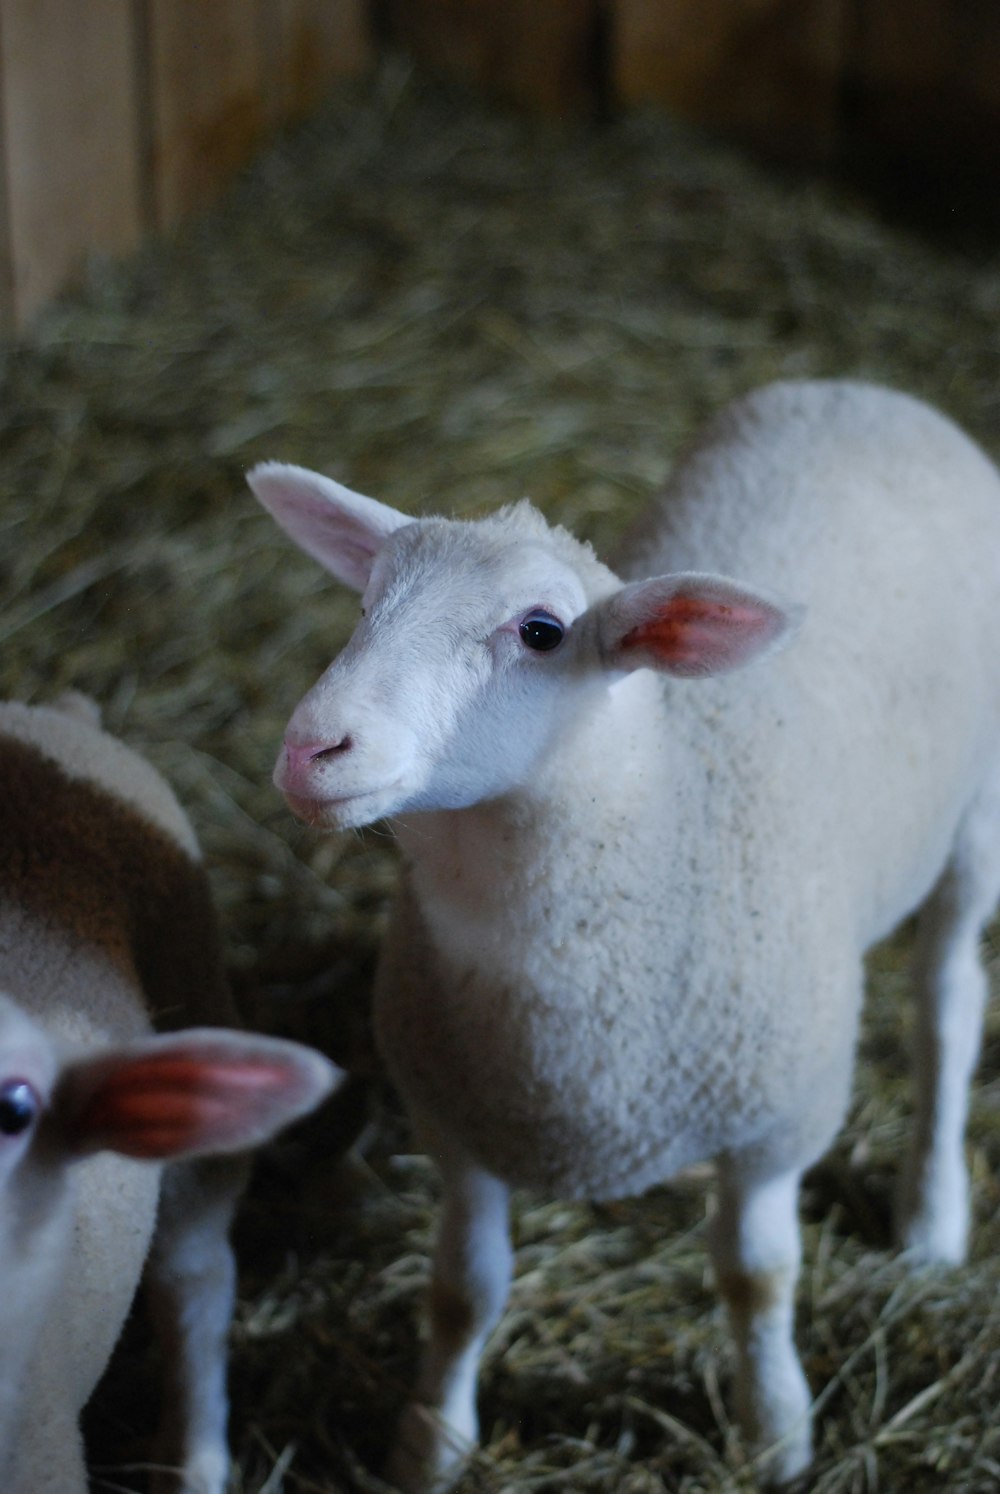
<point>200,1091</point>
<point>340,529</point>
<point>691,625</point>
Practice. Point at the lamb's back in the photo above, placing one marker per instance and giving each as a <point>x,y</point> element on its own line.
<point>803,485</point>
<point>882,518</point>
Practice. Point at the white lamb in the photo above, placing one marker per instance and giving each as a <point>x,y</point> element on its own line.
<point>106,924</point>
<point>636,888</point>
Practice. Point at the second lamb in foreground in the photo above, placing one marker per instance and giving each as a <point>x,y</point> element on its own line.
<point>119,1147</point>
<point>638,887</point>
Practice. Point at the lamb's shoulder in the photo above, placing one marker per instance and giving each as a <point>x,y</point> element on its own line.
<point>69,735</point>
<point>104,901</point>
<point>837,493</point>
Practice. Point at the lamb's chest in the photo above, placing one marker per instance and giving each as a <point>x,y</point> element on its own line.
<point>582,1070</point>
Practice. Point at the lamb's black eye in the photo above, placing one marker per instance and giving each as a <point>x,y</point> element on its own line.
<point>18,1107</point>
<point>541,631</point>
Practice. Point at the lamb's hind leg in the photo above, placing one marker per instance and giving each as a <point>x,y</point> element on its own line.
<point>754,1237</point>
<point>469,1284</point>
<point>951,988</point>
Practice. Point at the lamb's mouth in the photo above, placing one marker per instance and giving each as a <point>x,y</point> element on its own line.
<point>345,811</point>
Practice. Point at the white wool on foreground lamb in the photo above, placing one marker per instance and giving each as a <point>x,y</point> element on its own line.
<point>637,888</point>
<point>107,928</point>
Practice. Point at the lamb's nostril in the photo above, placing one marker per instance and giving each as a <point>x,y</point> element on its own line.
<point>300,755</point>
<point>334,749</point>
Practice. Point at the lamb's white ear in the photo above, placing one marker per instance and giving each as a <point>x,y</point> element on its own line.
<point>691,625</point>
<point>201,1091</point>
<point>340,529</point>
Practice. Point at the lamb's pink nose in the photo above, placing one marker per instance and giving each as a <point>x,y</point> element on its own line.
<point>299,755</point>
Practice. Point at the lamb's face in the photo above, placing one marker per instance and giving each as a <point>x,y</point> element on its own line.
<point>479,643</point>
<point>454,683</point>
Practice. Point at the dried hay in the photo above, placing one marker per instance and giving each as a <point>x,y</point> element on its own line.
<point>449,308</point>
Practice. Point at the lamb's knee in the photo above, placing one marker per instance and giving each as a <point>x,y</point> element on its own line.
<point>454,1315</point>
<point>748,1294</point>
<point>761,1307</point>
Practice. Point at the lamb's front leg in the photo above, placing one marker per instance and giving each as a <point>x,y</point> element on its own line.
<point>755,1244</point>
<point>469,1284</point>
<point>191,1278</point>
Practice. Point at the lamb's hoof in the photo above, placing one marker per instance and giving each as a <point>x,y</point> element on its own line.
<point>933,1231</point>
<point>786,1460</point>
<point>206,1471</point>
<point>780,1427</point>
<point>428,1454</point>
<point>927,1245</point>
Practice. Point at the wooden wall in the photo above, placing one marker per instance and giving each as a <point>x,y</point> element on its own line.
<point>541,54</point>
<point>118,117</point>
<point>768,71</point>
<point>910,86</point>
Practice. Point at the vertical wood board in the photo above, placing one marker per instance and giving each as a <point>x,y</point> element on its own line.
<point>305,46</point>
<point>69,141</point>
<point>925,84</point>
<point>540,54</point>
<point>204,101</point>
<point>766,70</point>
<point>121,115</point>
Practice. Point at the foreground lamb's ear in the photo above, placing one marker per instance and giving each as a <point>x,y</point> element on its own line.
<point>340,529</point>
<point>201,1091</point>
<point>691,625</point>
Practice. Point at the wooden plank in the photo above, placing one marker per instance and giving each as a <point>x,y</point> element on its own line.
<point>924,93</point>
<point>539,54</point>
<point>205,102</point>
<point>69,137</point>
<point>306,46</point>
<point>768,71</point>
<point>8,304</point>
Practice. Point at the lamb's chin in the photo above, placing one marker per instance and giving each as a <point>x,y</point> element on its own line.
<point>350,812</point>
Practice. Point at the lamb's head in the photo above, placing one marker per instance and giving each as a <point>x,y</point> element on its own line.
<point>479,641</point>
<point>196,1092</point>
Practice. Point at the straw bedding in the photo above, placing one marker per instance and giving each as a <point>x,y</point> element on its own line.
<point>448,308</point>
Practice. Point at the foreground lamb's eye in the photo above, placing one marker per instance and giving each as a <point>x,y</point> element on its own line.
<point>18,1107</point>
<point>541,632</point>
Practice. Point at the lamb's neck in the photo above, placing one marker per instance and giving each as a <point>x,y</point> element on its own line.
<point>457,851</point>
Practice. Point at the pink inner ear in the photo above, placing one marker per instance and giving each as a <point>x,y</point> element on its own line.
<point>156,1107</point>
<point>339,540</point>
<point>694,635</point>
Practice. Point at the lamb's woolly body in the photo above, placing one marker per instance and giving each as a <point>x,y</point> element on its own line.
<point>634,907</point>
<point>594,1005</point>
